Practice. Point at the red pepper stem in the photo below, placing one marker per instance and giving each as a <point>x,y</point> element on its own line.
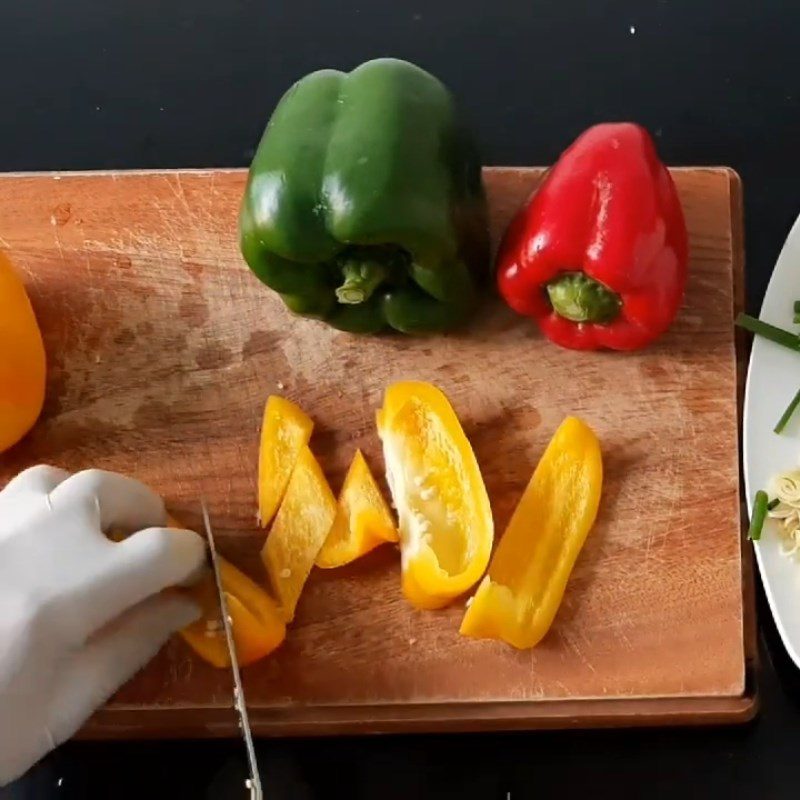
<point>361,279</point>
<point>579,298</point>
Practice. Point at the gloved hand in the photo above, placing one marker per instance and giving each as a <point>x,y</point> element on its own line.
<point>80,614</point>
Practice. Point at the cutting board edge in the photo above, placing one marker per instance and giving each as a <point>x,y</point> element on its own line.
<point>89,173</point>
<point>219,723</point>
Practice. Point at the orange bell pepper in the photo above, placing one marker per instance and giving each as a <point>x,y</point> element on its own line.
<point>301,526</point>
<point>285,430</point>
<point>363,520</point>
<point>256,622</point>
<point>518,599</point>
<point>22,359</point>
<point>445,520</point>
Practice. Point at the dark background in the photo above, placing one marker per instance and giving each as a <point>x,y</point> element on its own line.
<point>92,84</point>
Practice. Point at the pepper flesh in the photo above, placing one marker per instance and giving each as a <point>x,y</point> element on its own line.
<point>285,430</point>
<point>598,256</point>
<point>445,520</point>
<point>517,601</point>
<point>22,359</point>
<point>363,520</point>
<point>301,526</point>
<point>256,623</point>
<point>364,205</point>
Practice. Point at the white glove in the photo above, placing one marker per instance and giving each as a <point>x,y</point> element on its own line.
<point>80,614</point>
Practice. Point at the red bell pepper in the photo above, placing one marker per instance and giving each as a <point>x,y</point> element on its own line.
<point>598,256</point>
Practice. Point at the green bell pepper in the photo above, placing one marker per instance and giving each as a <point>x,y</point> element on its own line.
<point>364,204</point>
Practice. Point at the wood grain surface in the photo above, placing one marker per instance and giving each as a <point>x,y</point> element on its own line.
<point>163,347</point>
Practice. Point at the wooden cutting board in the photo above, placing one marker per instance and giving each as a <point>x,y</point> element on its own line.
<point>163,347</point>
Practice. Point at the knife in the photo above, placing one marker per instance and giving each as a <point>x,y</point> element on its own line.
<point>239,703</point>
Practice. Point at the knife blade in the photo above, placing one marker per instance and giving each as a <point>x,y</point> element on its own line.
<point>239,702</point>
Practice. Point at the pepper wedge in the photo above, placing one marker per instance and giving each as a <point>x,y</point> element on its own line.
<point>301,526</point>
<point>518,599</point>
<point>257,625</point>
<point>284,432</point>
<point>363,520</point>
<point>445,519</point>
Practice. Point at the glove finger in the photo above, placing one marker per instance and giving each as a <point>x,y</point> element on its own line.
<point>41,479</point>
<point>113,656</point>
<point>137,568</point>
<point>123,502</point>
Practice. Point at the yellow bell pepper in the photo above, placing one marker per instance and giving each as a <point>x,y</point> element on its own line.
<point>257,625</point>
<point>445,520</point>
<point>301,526</point>
<point>518,599</point>
<point>285,430</point>
<point>22,359</point>
<point>363,520</point>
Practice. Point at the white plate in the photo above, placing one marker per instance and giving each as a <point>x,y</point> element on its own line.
<point>772,380</point>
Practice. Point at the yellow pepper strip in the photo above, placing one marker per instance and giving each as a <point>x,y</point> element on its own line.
<point>301,526</point>
<point>445,519</point>
<point>363,520</point>
<point>285,430</point>
<point>518,599</point>
<point>257,625</point>
<point>22,359</point>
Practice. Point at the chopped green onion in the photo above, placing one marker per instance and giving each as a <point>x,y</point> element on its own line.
<point>773,504</point>
<point>758,517</point>
<point>787,415</point>
<point>771,332</point>
<point>796,319</point>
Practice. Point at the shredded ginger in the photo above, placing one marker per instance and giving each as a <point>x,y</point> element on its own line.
<point>786,488</point>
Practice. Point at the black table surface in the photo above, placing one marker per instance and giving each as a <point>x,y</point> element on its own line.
<point>94,84</point>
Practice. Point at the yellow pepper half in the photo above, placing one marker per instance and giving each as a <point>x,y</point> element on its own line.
<point>257,625</point>
<point>363,520</point>
<point>518,599</point>
<point>285,430</point>
<point>301,526</point>
<point>445,520</point>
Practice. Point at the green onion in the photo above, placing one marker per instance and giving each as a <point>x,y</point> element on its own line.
<point>759,515</point>
<point>796,319</point>
<point>773,504</point>
<point>771,332</point>
<point>787,415</point>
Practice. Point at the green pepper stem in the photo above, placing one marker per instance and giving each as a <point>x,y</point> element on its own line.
<point>579,298</point>
<point>361,279</point>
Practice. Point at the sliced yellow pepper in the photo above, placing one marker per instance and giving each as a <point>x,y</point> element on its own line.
<point>285,430</point>
<point>363,520</point>
<point>518,599</point>
<point>257,625</point>
<point>445,519</point>
<point>301,526</point>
